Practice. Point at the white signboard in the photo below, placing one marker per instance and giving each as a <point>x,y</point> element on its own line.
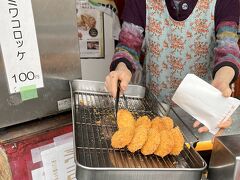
<point>58,162</point>
<point>38,174</point>
<point>19,45</point>
<point>36,152</point>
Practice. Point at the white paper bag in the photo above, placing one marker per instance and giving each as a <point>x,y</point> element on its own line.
<point>204,102</point>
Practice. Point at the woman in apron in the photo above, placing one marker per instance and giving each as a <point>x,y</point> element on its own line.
<point>181,37</point>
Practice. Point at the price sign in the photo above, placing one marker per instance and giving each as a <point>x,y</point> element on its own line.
<point>19,45</point>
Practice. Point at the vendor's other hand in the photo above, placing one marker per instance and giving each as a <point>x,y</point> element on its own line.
<point>121,73</point>
<point>222,125</point>
<point>221,81</point>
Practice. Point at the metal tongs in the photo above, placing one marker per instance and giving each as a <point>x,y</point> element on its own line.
<point>117,99</point>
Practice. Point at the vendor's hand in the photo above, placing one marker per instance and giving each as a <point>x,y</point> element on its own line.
<point>121,73</point>
<point>221,81</point>
<point>222,125</point>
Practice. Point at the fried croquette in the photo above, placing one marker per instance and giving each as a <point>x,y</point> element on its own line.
<point>157,124</point>
<point>122,137</point>
<point>125,119</point>
<point>157,136</point>
<point>139,138</point>
<point>152,142</point>
<point>143,121</point>
<point>178,141</point>
<point>166,143</point>
<point>164,123</point>
<point>168,122</point>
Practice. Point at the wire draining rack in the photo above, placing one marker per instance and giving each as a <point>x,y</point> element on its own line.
<point>94,123</point>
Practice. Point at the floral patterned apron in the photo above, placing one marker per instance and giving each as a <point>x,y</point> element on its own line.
<point>176,48</point>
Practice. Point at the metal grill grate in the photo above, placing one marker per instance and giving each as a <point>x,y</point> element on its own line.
<point>94,124</point>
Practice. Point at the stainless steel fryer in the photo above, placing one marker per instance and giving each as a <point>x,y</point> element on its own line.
<point>94,124</point>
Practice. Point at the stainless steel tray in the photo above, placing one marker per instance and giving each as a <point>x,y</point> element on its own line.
<point>94,124</point>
